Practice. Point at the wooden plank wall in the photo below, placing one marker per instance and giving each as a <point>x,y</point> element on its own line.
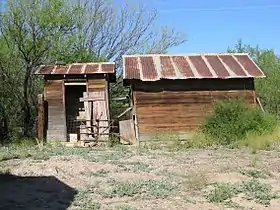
<point>54,95</point>
<point>176,110</point>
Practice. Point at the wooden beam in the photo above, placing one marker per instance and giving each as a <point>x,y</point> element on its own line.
<point>124,112</point>
<point>91,99</point>
<point>74,83</point>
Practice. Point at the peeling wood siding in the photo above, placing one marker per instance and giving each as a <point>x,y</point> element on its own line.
<point>54,95</point>
<point>166,107</point>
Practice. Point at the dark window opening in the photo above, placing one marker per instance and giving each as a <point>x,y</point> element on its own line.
<point>73,107</point>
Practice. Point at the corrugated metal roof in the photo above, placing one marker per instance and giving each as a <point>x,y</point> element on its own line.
<point>78,68</point>
<point>153,67</point>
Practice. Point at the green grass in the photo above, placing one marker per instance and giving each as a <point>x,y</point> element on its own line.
<point>21,151</point>
<point>29,150</point>
<point>151,188</point>
<point>262,142</point>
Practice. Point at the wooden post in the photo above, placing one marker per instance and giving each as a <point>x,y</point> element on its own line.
<point>40,119</point>
<point>136,126</point>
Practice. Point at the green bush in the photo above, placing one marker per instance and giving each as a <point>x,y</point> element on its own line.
<point>233,120</point>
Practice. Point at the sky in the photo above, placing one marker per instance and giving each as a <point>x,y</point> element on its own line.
<point>213,25</point>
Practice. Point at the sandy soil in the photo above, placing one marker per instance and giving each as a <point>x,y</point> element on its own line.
<point>81,181</point>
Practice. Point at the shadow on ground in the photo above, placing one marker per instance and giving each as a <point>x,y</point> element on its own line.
<point>45,192</point>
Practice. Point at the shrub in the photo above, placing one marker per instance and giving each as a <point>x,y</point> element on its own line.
<point>233,120</point>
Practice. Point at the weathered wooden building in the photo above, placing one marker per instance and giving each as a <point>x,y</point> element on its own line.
<point>176,92</point>
<point>75,98</point>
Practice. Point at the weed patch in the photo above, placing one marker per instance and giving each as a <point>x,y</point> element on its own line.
<point>254,190</point>
<point>157,189</point>
<point>254,173</point>
<point>124,207</point>
<point>100,173</point>
<point>138,166</point>
<point>168,173</point>
<point>261,193</point>
<point>222,192</point>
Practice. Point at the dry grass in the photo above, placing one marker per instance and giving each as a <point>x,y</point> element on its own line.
<point>196,180</point>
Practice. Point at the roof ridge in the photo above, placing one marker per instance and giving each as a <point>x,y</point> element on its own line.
<point>182,54</point>
<point>82,63</point>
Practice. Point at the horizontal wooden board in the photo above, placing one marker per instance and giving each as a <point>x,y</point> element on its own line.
<point>194,85</point>
<point>96,85</point>
<point>192,97</point>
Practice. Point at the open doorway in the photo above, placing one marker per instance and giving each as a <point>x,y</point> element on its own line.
<point>74,108</point>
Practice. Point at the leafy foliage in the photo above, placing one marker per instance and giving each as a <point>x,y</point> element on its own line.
<point>234,120</point>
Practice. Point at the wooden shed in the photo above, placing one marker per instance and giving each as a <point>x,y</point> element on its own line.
<point>76,100</point>
<point>174,93</point>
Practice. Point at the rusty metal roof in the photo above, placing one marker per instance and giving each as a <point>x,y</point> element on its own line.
<point>153,67</point>
<point>78,68</point>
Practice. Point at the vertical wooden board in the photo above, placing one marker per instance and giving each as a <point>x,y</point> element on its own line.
<point>40,118</point>
<point>136,127</point>
<point>107,100</point>
<point>99,110</point>
<point>127,131</point>
<point>54,92</point>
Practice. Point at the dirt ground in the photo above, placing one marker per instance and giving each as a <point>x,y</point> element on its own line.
<point>128,178</point>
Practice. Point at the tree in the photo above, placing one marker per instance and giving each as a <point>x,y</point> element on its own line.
<point>111,31</point>
<point>32,28</point>
<point>268,89</point>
